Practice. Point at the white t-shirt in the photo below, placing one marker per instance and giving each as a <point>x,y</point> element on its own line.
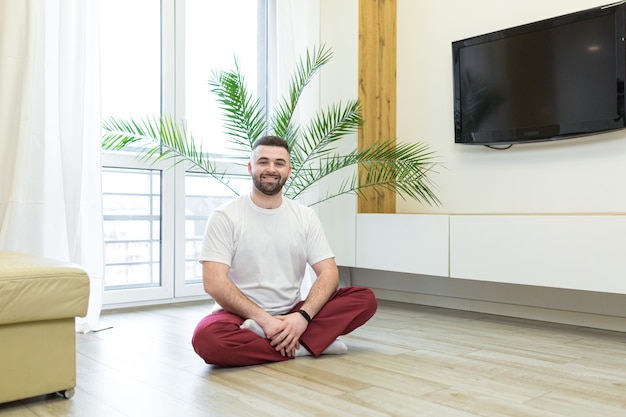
<point>267,249</point>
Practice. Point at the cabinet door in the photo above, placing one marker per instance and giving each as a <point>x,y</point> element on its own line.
<point>574,252</point>
<point>409,243</point>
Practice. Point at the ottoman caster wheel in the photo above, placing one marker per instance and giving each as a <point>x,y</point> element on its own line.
<point>68,393</point>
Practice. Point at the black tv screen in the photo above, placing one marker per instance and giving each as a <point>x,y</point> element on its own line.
<point>554,79</point>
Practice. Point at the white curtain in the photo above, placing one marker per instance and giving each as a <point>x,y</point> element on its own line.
<point>294,28</point>
<point>50,184</point>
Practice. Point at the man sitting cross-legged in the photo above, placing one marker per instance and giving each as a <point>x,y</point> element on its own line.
<point>254,256</point>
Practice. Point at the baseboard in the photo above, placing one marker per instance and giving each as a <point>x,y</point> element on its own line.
<point>510,310</point>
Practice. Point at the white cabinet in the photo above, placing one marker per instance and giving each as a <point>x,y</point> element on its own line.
<point>403,243</point>
<point>582,252</point>
<point>579,252</point>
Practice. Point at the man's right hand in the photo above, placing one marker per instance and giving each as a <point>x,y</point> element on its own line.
<point>286,336</point>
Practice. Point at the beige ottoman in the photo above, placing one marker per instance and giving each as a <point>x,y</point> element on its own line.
<point>39,300</point>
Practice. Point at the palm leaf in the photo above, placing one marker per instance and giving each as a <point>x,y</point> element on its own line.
<point>320,137</point>
<point>159,138</point>
<point>306,69</point>
<point>244,119</point>
<point>403,168</point>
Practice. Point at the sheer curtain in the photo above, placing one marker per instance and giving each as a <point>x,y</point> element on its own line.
<point>293,29</point>
<point>50,190</point>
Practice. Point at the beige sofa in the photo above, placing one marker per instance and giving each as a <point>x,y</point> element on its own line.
<point>39,300</point>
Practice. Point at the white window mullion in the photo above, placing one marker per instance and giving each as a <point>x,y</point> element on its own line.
<point>182,288</point>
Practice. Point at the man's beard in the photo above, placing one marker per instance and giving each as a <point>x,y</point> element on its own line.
<point>269,189</point>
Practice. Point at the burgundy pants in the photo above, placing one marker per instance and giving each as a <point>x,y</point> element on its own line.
<point>219,340</point>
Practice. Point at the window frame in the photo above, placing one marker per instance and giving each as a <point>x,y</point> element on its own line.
<point>173,240</point>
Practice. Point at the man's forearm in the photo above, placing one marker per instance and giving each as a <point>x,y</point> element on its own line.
<point>227,295</point>
<point>323,287</point>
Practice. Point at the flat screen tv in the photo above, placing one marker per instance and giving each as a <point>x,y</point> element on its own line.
<point>554,79</point>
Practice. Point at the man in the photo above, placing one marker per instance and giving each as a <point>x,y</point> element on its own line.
<point>254,256</point>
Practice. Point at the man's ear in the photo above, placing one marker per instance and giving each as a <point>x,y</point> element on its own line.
<point>249,168</point>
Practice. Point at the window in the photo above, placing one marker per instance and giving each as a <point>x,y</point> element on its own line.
<point>157,57</point>
<point>212,41</point>
<point>132,227</point>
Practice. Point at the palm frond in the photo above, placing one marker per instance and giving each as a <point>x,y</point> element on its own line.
<point>403,168</point>
<point>322,134</point>
<point>306,68</point>
<point>159,138</point>
<point>328,127</point>
<point>243,116</point>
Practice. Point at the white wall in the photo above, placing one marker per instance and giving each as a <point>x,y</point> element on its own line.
<point>339,82</point>
<point>575,176</point>
<point>585,175</point>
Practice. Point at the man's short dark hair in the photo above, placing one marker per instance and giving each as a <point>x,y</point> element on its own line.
<point>271,141</point>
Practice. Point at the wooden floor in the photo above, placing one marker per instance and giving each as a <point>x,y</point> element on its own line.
<point>407,361</point>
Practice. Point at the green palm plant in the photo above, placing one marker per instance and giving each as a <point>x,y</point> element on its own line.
<point>403,168</point>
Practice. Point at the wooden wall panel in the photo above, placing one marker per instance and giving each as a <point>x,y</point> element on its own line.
<point>377,88</point>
